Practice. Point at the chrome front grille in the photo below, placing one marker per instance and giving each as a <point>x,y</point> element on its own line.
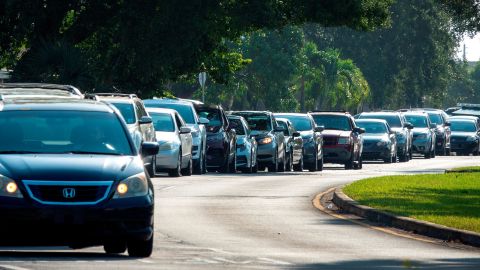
<point>68,192</point>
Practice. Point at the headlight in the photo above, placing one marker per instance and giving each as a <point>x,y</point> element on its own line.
<point>471,139</point>
<point>166,146</point>
<point>266,140</point>
<point>344,140</point>
<point>422,136</point>
<point>382,143</point>
<point>8,188</point>
<point>133,186</point>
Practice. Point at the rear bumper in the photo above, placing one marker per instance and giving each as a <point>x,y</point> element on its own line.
<point>167,159</point>
<point>336,154</point>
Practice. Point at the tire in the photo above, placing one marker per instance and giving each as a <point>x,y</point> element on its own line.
<point>140,249</point>
<point>189,170</point>
<point>403,157</point>
<point>448,152</point>
<point>232,167</point>
<point>283,165</point>
<point>313,167</point>
<point>177,172</point>
<point>320,165</point>
<point>151,167</point>
<point>115,246</point>
<point>289,165</point>
<point>433,154</point>
<point>274,167</point>
<point>359,164</point>
<point>388,160</point>
<point>349,164</point>
<point>200,166</point>
<point>299,167</point>
<point>427,155</point>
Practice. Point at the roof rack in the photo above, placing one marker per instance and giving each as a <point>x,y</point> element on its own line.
<point>114,95</point>
<point>69,88</point>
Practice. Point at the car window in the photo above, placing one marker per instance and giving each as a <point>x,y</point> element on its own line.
<point>337,122</point>
<point>63,132</point>
<point>213,116</point>
<point>127,110</point>
<point>418,121</point>
<point>463,126</point>
<point>393,121</point>
<point>286,132</point>
<point>238,126</point>
<point>162,122</point>
<point>186,111</point>
<point>436,118</point>
<point>373,127</point>
<point>300,123</point>
<point>258,122</point>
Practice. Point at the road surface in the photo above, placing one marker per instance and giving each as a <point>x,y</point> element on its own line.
<point>263,221</point>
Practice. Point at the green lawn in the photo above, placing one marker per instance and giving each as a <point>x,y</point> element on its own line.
<point>451,199</point>
<point>472,169</point>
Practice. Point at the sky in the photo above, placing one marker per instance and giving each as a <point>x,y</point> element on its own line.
<point>473,48</point>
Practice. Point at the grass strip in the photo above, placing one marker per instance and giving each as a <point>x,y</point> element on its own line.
<point>451,199</point>
<point>473,169</point>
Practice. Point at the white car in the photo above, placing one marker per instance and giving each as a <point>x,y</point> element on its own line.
<point>175,140</point>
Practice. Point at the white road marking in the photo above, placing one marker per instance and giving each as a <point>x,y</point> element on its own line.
<point>274,261</point>
<point>145,261</point>
<point>231,261</point>
<point>167,188</point>
<point>11,267</point>
<point>221,251</point>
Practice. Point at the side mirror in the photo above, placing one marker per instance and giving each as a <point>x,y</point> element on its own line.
<point>408,125</point>
<point>203,121</point>
<point>149,149</point>
<point>185,130</point>
<point>145,120</point>
<point>447,124</point>
<point>296,134</point>
<point>252,136</point>
<point>359,130</point>
<point>279,129</point>
<point>319,129</point>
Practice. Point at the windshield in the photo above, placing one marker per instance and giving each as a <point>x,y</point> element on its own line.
<point>418,121</point>
<point>463,126</point>
<point>373,128</point>
<point>213,116</point>
<point>300,123</point>
<point>63,132</point>
<point>337,122</point>
<point>127,111</point>
<point>162,122</point>
<point>258,122</point>
<point>392,120</point>
<point>185,111</point>
<point>435,118</point>
<point>237,125</point>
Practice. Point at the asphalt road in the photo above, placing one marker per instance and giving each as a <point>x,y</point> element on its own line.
<point>263,221</point>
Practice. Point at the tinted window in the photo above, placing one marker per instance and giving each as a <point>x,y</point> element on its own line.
<point>186,111</point>
<point>258,122</point>
<point>162,122</point>
<point>392,120</point>
<point>463,126</point>
<point>237,125</point>
<point>436,118</point>
<point>127,110</point>
<point>337,122</point>
<point>63,132</point>
<point>285,127</point>
<point>374,128</point>
<point>418,121</point>
<point>212,115</point>
<point>300,123</point>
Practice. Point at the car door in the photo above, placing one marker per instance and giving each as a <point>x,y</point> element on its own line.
<point>185,138</point>
<point>357,139</point>
<point>230,132</point>
<point>280,138</point>
<point>147,130</point>
<point>318,137</point>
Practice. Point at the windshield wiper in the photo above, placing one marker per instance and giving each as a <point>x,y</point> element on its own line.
<point>92,153</point>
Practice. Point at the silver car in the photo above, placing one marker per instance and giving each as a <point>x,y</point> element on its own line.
<point>175,141</point>
<point>246,145</point>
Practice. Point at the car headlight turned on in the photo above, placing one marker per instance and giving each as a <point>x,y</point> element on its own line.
<point>344,140</point>
<point>134,186</point>
<point>266,140</point>
<point>8,188</point>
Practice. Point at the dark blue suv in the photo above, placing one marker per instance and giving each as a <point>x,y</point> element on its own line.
<point>70,175</point>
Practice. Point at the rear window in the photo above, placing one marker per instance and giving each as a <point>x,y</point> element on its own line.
<point>127,110</point>
<point>162,122</point>
<point>463,126</point>
<point>336,122</point>
<point>258,122</point>
<point>300,123</point>
<point>392,120</point>
<point>418,121</point>
<point>185,111</point>
<point>373,128</point>
<point>237,125</point>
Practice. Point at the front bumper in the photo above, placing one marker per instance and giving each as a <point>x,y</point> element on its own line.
<point>421,146</point>
<point>266,153</point>
<point>29,223</point>
<point>243,157</point>
<point>374,152</point>
<point>337,154</point>
<point>309,152</point>
<point>216,153</point>
<point>463,147</point>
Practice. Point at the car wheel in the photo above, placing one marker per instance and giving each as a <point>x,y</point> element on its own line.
<point>151,167</point>
<point>299,167</point>
<point>283,165</point>
<point>200,165</point>
<point>349,164</point>
<point>232,167</point>
<point>274,166</point>
<point>427,155</point>
<point>115,246</point>
<point>177,172</point>
<point>189,170</point>
<point>140,248</point>
<point>448,152</point>
<point>359,164</point>
<point>314,166</point>
<point>290,162</point>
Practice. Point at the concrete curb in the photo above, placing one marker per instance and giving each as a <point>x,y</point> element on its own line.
<point>408,224</point>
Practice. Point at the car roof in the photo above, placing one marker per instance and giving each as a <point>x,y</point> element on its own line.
<point>346,114</point>
<point>160,110</point>
<point>419,113</point>
<point>54,104</point>
<point>38,90</point>
<point>167,101</point>
<point>252,112</point>
<point>380,113</point>
<point>291,114</point>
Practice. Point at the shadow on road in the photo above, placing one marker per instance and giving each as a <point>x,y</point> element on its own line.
<point>467,263</point>
<point>15,255</point>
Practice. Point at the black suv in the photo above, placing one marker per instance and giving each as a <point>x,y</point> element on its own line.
<point>221,138</point>
<point>70,175</point>
<point>271,150</point>
<point>342,139</point>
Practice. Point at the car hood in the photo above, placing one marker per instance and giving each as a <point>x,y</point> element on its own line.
<point>463,134</point>
<point>421,131</point>
<point>375,137</point>
<point>337,133</point>
<point>306,134</point>
<point>260,134</point>
<point>163,137</point>
<point>61,167</point>
<point>398,130</point>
